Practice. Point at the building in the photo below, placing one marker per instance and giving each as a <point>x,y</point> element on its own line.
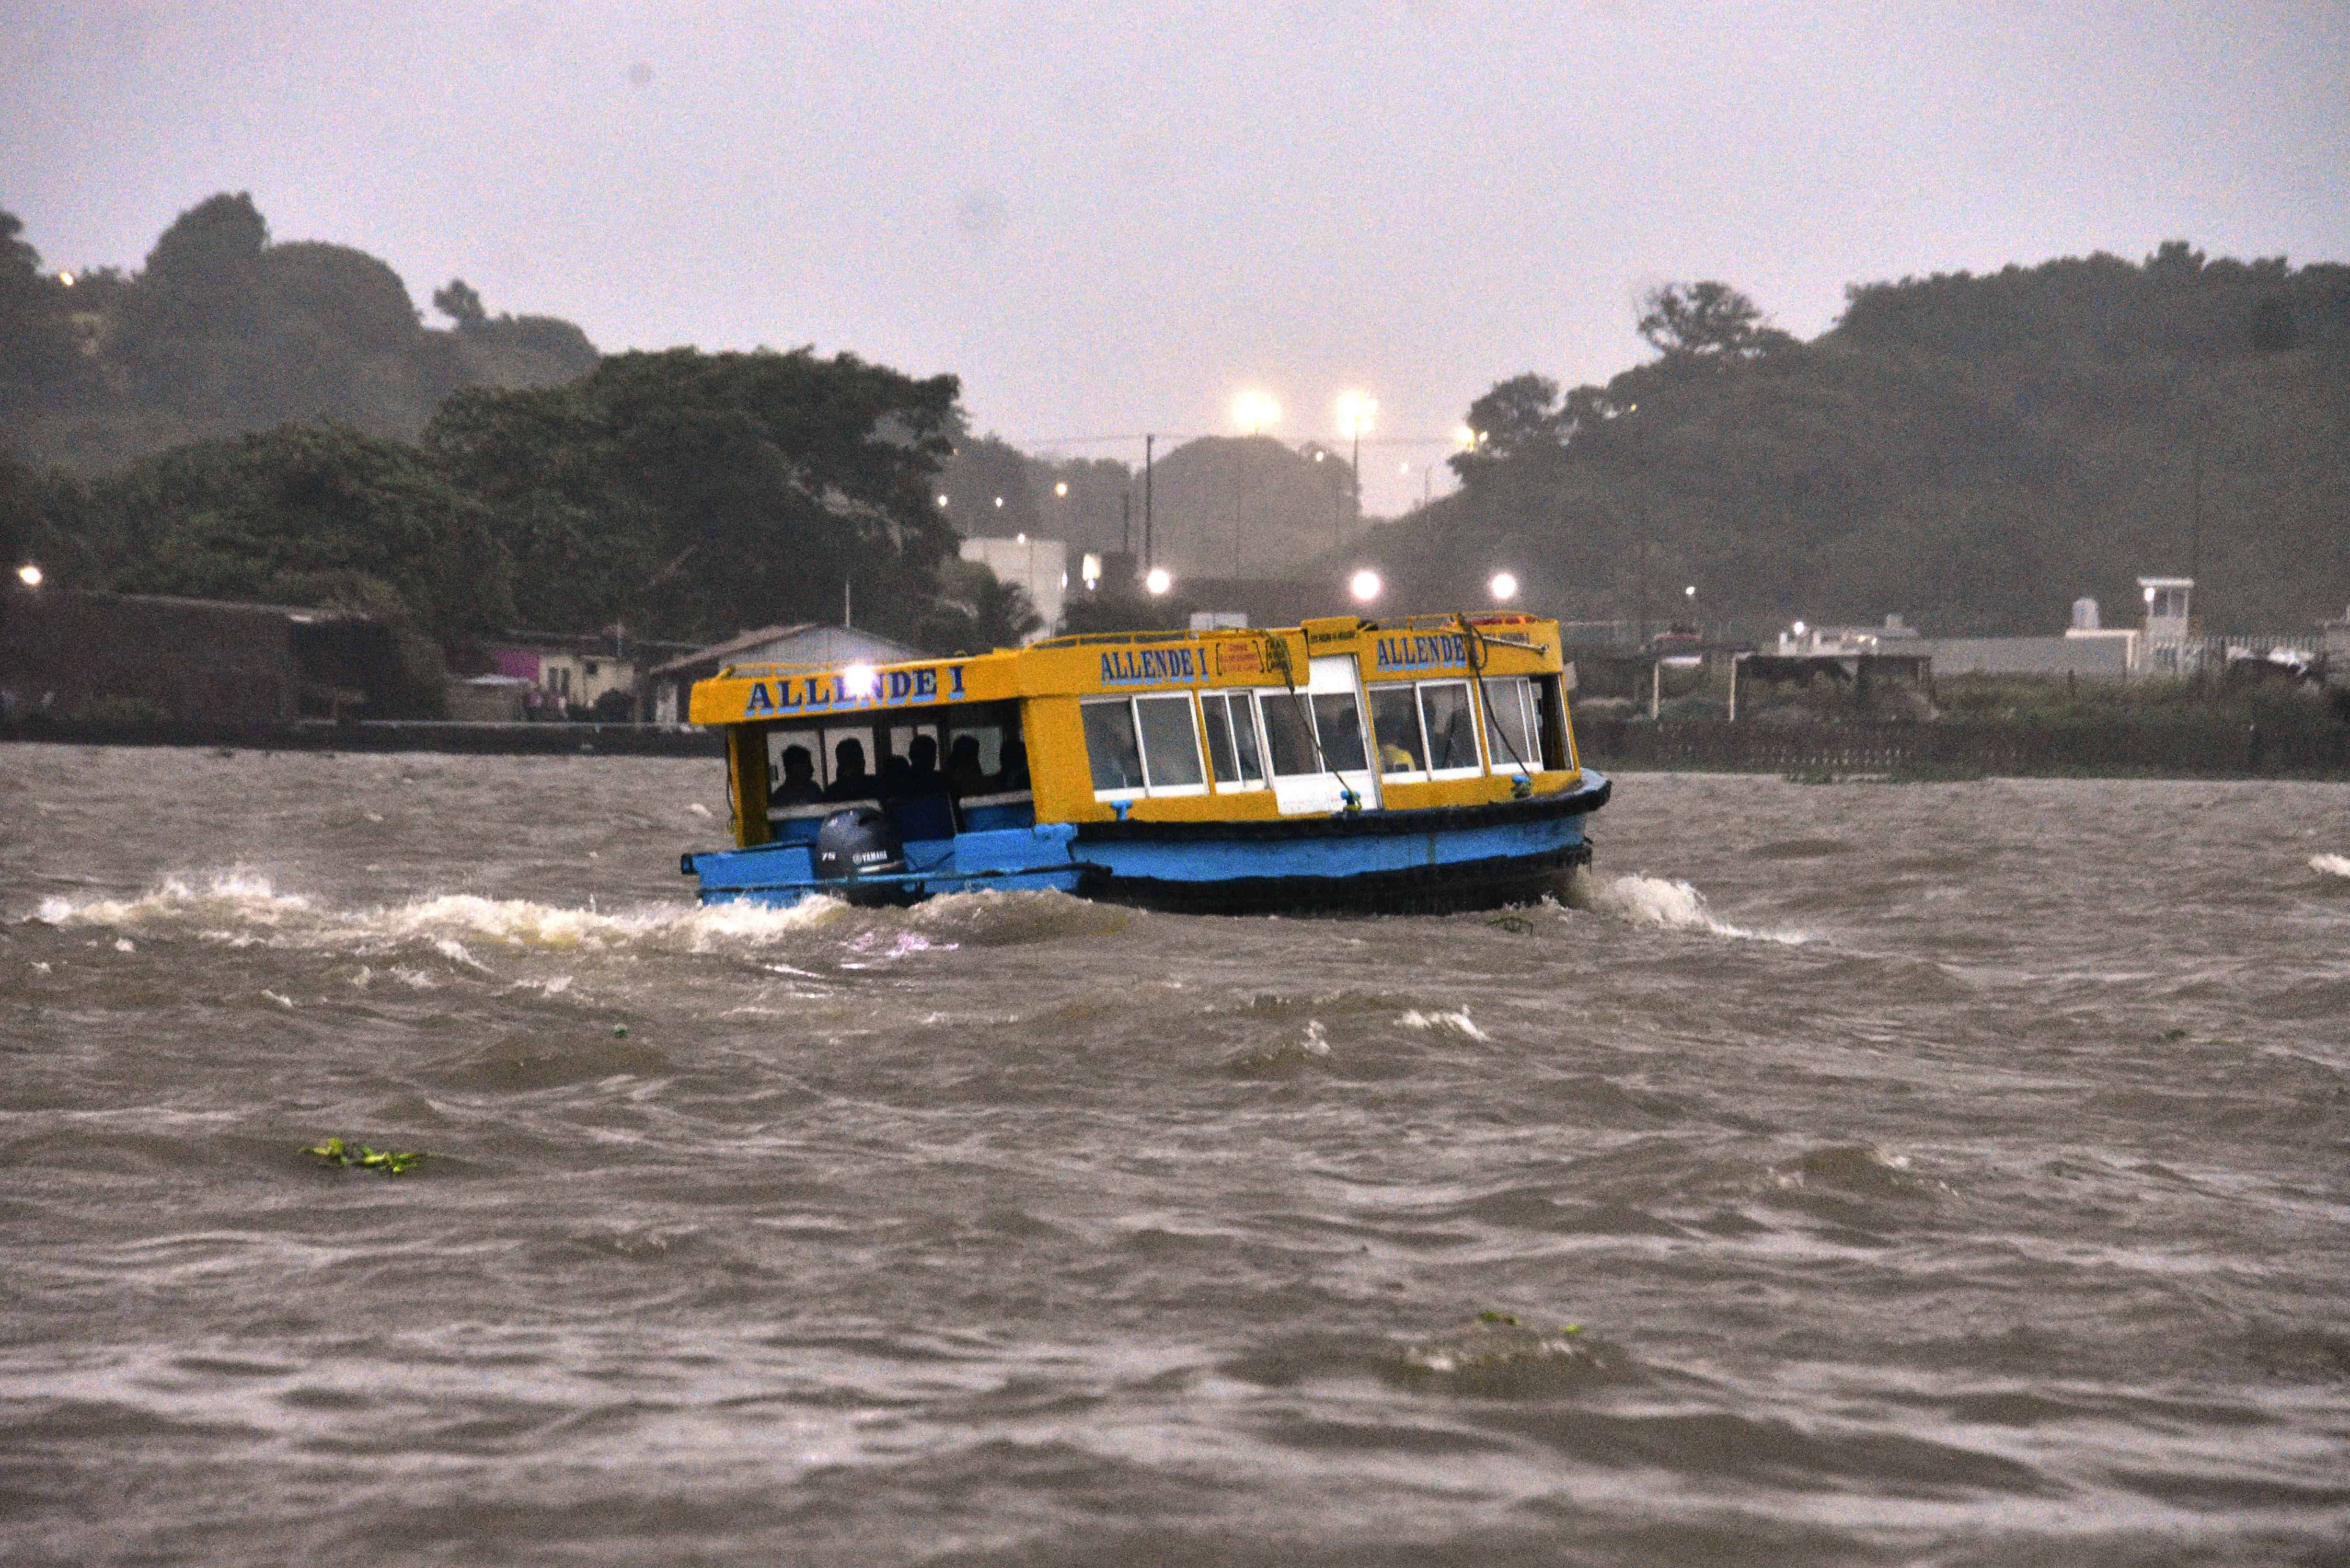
<point>145,660</point>
<point>665,687</point>
<point>1037,567</point>
<point>574,674</point>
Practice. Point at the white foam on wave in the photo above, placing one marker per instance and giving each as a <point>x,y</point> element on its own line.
<point>237,897</point>
<point>1671,905</point>
<point>241,909</point>
<point>2331,864</point>
<point>1455,1022</point>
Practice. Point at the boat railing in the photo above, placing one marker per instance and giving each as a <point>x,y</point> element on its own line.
<point>1122,639</point>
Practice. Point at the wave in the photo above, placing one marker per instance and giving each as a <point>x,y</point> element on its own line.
<point>2331,864</point>
<point>241,908</point>
<point>1667,904</point>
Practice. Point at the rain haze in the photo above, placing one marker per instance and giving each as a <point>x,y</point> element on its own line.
<point>1108,224</point>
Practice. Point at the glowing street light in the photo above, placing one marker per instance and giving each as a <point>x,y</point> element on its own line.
<point>1504,586</point>
<point>1365,586</point>
<point>1062,488</point>
<point>1159,580</point>
<point>29,574</point>
<point>1255,412</point>
<point>1356,411</point>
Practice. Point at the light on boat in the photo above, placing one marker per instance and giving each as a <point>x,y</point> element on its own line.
<point>29,574</point>
<point>1504,586</point>
<point>1365,586</point>
<point>1158,581</point>
<point>859,680</point>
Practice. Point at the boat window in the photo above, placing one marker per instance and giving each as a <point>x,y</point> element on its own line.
<point>1289,734</point>
<point>1395,724</point>
<point>1550,723</point>
<point>1170,742</point>
<point>1251,774</point>
<point>1513,747</point>
<point>1216,718</point>
<point>1452,723</point>
<point>1232,740</point>
<point>795,767</point>
<point>1339,718</point>
<point>1111,748</point>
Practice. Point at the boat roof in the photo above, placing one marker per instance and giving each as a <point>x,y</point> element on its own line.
<point>1095,662</point>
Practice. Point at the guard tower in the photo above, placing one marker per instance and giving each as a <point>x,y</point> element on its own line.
<point>2169,625</point>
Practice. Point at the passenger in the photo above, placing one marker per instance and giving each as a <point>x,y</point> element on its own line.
<point>1013,774</point>
<point>922,767</point>
<point>799,786</point>
<point>848,779</point>
<point>964,773</point>
<point>897,778</point>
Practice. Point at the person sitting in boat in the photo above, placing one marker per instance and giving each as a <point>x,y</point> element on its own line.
<point>848,778</point>
<point>1013,774</point>
<point>965,775</point>
<point>799,786</point>
<point>923,776</point>
<point>1394,759</point>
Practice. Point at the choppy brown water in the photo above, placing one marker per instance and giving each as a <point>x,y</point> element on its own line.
<point>1951,1174</point>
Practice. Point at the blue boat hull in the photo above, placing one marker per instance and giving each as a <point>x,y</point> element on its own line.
<point>1373,862</point>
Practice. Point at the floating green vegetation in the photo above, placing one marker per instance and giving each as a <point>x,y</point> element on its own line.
<point>392,1162</point>
<point>1516,925</point>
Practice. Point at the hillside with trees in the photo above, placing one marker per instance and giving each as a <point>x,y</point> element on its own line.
<point>223,331</point>
<point>1971,453</point>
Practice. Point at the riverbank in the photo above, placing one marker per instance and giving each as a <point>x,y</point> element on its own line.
<point>390,736</point>
<point>2156,745</point>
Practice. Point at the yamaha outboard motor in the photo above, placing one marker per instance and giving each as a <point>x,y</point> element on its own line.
<point>855,842</point>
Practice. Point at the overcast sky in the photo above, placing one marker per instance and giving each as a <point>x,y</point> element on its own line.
<point>1112,219</point>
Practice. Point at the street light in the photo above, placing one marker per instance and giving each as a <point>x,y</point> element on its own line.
<point>1504,586</point>
<point>1159,580</point>
<point>29,574</point>
<point>1255,412</point>
<point>1365,586</point>
<point>1356,411</point>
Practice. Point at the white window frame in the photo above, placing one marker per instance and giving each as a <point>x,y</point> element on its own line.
<point>1198,744</point>
<point>1149,791</point>
<point>1372,689</point>
<point>1240,702</point>
<point>1137,792</point>
<point>1520,690</point>
<point>1468,688</point>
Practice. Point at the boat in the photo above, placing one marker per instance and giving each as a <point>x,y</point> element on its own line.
<point>1342,765</point>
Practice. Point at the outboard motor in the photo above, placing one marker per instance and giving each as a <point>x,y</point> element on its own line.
<point>858,841</point>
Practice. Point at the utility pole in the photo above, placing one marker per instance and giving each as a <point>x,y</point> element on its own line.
<point>1148,441</point>
<point>1126,524</point>
<point>2195,517</point>
<point>848,620</point>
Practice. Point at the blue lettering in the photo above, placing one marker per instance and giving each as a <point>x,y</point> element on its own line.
<point>759,701</point>
<point>926,683</point>
<point>955,673</point>
<point>900,684</point>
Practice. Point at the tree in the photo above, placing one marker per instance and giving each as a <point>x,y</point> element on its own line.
<point>1519,417</point>
<point>976,611</point>
<point>40,364</point>
<point>1707,320</point>
<point>457,300</point>
<point>693,494</point>
<point>307,514</point>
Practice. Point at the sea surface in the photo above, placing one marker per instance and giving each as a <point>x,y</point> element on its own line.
<point>1853,1174</point>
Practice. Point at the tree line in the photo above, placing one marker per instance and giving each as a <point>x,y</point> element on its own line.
<point>1969,451</point>
<point>677,495</point>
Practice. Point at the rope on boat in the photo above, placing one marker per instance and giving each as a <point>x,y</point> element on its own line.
<point>1477,659</point>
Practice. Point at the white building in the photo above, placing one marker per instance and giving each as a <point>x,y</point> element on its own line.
<point>1037,567</point>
